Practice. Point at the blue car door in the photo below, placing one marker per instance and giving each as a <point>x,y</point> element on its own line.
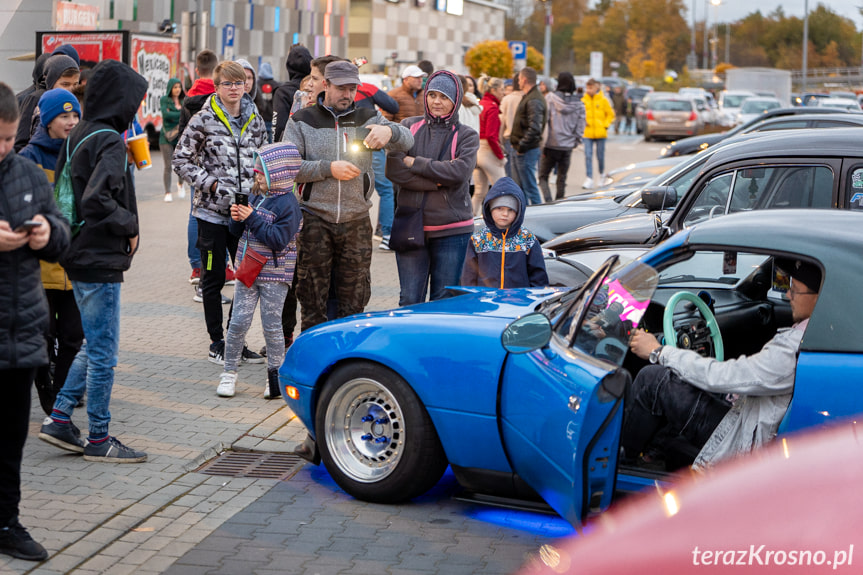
<point>561,406</point>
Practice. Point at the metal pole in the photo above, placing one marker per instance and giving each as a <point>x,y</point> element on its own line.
<point>705,57</point>
<point>805,40</point>
<point>727,42</point>
<point>546,48</point>
<point>692,61</point>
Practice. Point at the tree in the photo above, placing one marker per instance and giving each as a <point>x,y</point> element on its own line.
<point>659,55</point>
<point>535,59</point>
<point>635,54</point>
<point>491,57</point>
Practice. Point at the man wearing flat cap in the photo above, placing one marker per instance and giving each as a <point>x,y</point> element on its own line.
<point>725,409</point>
<point>335,139</point>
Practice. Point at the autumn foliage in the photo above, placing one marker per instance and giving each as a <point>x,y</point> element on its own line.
<point>491,57</point>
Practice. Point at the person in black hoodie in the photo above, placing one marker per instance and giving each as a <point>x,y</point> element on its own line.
<point>100,252</point>
<point>25,195</point>
<point>299,65</point>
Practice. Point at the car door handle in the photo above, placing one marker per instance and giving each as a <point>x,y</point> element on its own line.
<point>574,403</point>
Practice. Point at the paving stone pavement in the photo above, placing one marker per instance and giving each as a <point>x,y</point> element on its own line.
<point>161,516</point>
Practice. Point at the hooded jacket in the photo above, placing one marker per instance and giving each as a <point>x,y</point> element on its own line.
<point>529,121</point>
<point>211,150</point>
<point>102,178</point>
<point>444,153</point>
<point>24,193</point>
<point>38,71</point>
<point>469,114</point>
<point>598,116</point>
<point>322,137</point>
<point>272,228</point>
<point>299,65</point>
<point>489,123</point>
<point>267,87</point>
<point>245,64</point>
<point>566,120</point>
<point>498,258</point>
<point>197,95</point>
<point>170,114</point>
<point>52,71</point>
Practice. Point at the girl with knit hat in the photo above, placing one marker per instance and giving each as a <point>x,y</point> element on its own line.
<point>267,224</point>
<point>59,113</point>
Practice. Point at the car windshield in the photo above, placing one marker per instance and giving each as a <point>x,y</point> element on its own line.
<point>734,100</point>
<point>753,106</point>
<point>711,268</point>
<point>671,105</point>
<point>680,177</point>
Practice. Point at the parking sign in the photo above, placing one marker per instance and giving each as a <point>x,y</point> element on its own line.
<point>518,49</point>
<point>228,33</point>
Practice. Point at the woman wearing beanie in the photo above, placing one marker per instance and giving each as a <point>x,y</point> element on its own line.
<point>433,177</point>
<point>59,113</point>
<point>172,106</point>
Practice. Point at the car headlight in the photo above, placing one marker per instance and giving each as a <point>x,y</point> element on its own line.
<point>664,151</point>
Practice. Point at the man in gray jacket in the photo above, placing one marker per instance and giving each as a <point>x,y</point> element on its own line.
<point>566,122</point>
<point>335,139</point>
<point>725,409</point>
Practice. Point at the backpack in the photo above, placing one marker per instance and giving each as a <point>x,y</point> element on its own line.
<point>64,195</point>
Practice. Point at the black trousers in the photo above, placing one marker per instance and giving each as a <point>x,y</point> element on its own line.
<point>14,421</point>
<point>64,338</point>
<point>213,240</point>
<point>663,411</point>
<point>549,160</point>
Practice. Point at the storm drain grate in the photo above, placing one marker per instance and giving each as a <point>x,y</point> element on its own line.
<point>279,466</point>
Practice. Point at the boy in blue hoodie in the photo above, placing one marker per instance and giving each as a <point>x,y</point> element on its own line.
<point>268,225</point>
<point>502,254</point>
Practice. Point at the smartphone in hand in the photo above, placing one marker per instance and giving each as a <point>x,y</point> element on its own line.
<point>28,226</point>
<point>241,199</point>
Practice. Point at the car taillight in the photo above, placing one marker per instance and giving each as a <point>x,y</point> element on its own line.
<point>650,115</point>
<point>693,117</point>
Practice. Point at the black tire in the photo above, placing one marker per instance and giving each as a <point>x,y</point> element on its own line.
<point>408,462</point>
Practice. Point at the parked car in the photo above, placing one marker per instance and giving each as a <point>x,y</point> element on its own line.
<point>697,143</point>
<point>790,169</point>
<point>730,102</point>
<point>811,98</point>
<point>671,116</point>
<point>754,107</point>
<point>638,173</point>
<point>846,103</point>
<point>512,389</point>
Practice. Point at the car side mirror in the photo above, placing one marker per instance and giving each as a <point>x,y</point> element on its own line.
<point>659,198</point>
<point>526,334</point>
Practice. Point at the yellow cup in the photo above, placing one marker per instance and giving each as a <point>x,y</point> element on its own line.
<point>139,148</point>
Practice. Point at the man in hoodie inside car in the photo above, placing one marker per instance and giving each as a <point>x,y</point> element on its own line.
<point>503,254</point>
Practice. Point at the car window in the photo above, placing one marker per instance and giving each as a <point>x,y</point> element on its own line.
<point>712,199</point>
<point>785,187</point>
<point>671,106</point>
<point>786,125</point>
<point>855,194</point>
<point>835,124</point>
<point>711,269</point>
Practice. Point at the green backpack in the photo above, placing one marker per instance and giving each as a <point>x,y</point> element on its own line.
<point>64,195</point>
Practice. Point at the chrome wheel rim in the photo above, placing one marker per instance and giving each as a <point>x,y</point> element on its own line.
<point>364,430</point>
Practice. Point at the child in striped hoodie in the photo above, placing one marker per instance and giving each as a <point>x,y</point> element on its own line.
<point>267,225</point>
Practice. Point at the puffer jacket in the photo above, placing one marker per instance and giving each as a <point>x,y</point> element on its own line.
<point>272,228</point>
<point>444,153</point>
<point>43,150</point>
<point>24,193</point>
<point>489,123</point>
<point>764,382</point>
<point>566,121</point>
<point>598,116</point>
<point>102,177</point>
<point>510,258</point>
<point>529,122</point>
<point>211,151</point>
<point>322,137</point>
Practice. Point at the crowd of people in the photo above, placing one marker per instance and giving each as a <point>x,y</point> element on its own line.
<point>280,178</point>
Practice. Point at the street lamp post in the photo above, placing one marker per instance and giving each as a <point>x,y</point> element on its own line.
<point>692,59</point>
<point>805,40</point>
<point>546,47</point>
<point>715,40</point>
<point>705,55</point>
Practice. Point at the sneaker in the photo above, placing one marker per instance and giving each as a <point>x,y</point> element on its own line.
<point>195,278</point>
<point>217,352</point>
<point>199,296</point>
<point>227,384</point>
<point>249,356</point>
<point>112,451</point>
<point>385,244</point>
<point>226,300</point>
<point>62,435</point>
<point>181,191</point>
<point>229,276</point>
<point>588,184</point>
<point>605,181</point>
<point>272,391</point>
<point>16,541</point>
<point>168,197</point>
<point>263,352</point>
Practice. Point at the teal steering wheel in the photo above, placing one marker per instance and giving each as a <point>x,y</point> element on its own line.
<point>668,321</point>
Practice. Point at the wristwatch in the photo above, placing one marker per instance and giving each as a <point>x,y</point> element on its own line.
<point>654,355</point>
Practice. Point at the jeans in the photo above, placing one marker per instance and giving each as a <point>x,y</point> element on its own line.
<point>550,159</point>
<point>440,261</point>
<point>192,251</point>
<point>508,153</point>
<point>14,421</point>
<point>93,368</point>
<point>600,155</point>
<point>525,165</point>
<point>384,188</point>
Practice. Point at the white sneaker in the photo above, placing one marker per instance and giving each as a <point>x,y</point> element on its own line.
<point>227,384</point>
<point>606,181</point>
<point>588,184</point>
<point>168,197</point>
<point>181,191</point>
<point>266,391</point>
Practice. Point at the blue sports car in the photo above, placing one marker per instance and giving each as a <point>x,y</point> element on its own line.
<point>521,391</point>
